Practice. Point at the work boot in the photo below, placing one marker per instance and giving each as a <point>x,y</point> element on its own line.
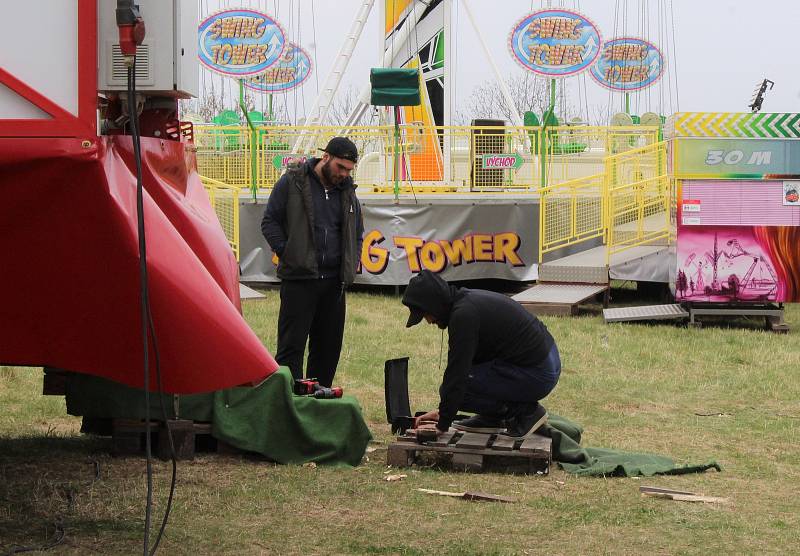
<point>481,423</point>
<point>523,426</point>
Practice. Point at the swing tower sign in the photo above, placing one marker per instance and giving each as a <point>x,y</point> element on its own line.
<point>240,43</point>
<point>560,43</point>
<point>555,43</point>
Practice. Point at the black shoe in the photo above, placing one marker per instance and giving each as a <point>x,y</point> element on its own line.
<point>481,423</point>
<point>524,426</point>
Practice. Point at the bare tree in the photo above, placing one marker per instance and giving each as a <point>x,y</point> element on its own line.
<point>342,106</point>
<point>600,114</point>
<point>206,107</point>
<point>530,94</point>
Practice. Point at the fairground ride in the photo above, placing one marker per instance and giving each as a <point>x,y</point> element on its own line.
<point>483,184</point>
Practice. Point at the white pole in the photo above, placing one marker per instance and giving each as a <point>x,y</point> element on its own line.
<point>449,60</point>
<point>381,31</point>
<point>517,120</point>
<point>322,103</point>
<point>398,41</point>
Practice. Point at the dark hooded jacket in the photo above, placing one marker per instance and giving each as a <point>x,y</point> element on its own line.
<point>482,326</point>
<point>315,232</point>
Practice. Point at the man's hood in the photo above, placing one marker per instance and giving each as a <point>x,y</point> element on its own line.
<point>428,294</point>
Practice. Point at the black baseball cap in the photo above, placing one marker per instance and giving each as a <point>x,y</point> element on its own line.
<point>342,147</point>
<point>415,317</point>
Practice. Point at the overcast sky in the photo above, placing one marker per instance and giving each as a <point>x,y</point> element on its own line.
<point>722,48</point>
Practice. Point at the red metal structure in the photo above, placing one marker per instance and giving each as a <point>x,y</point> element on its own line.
<point>68,246</point>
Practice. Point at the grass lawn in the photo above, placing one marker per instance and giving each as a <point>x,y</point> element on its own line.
<point>724,393</point>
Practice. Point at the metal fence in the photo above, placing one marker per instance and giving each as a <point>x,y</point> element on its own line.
<point>420,159</point>
<point>225,202</point>
<point>593,182</point>
<point>639,198</point>
<point>628,203</point>
<point>224,154</point>
<point>571,212</point>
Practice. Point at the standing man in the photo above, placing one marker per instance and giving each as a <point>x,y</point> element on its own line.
<point>313,223</point>
<point>501,359</point>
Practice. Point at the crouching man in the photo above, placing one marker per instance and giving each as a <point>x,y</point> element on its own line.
<point>501,360</point>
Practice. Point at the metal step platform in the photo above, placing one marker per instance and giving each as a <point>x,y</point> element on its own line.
<point>773,314</point>
<point>246,292</point>
<point>586,267</point>
<point>649,263</point>
<point>647,312</point>
<point>557,299</point>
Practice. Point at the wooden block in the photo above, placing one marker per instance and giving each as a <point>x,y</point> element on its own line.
<point>536,444</point>
<point>399,455</point>
<point>183,436</point>
<point>127,437</point>
<point>503,443</point>
<point>132,425</point>
<point>776,324</point>
<point>473,440</point>
<point>126,443</point>
<point>54,382</point>
<point>468,462</point>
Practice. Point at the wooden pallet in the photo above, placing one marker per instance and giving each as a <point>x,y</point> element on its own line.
<point>128,438</point>
<point>476,452</point>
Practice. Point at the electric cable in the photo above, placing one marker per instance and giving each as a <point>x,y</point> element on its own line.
<point>143,293</point>
<point>58,538</point>
<point>441,350</point>
<point>58,522</point>
<point>147,330</point>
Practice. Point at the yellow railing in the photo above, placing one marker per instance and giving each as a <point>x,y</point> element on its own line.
<point>638,198</point>
<point>628,203</point>
<point>225,202</point>
<point>571,212</point>
<point>608,182</point>
<point>429,159</point>
<point>223,154</point>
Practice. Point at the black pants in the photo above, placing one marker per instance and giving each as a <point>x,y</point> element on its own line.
<point>500,389</point>
<point>311,310</point>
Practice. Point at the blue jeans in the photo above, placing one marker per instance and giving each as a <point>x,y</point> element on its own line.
<point>499,389</point>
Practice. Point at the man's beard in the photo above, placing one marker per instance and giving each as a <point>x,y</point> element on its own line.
<point>327,176</point>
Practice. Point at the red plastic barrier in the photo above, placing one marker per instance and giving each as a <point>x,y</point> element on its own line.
<point>69,267</point>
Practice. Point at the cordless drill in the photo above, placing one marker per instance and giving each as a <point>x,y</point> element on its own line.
<point>323,393</point>
<point>305,386</point>
<point>312,387</point>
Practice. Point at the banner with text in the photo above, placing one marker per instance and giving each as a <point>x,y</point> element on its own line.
<point>737,158</point>
<point>462,241</point>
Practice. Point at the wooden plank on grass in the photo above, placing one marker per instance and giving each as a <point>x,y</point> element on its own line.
<point>444,439</point>
<point>399,455</point>
<point>468,462</point>
<point>503,443</point>
<point>536,444</point>
<point>473,440</point>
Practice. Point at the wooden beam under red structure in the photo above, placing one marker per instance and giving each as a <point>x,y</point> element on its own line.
<point>62,123</point>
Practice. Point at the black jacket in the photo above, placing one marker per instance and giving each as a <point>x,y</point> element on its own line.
<point>315,233</point>
<point>482,326</point>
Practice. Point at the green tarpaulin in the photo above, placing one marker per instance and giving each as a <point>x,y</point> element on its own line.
<point>267,419</point>
<point>575,459</point>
